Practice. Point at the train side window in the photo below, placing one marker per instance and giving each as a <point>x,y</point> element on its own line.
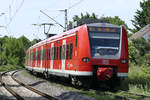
<point>71,50</point>
<point>57,53</point>
<point>36,54</point>
<point>60,49</point>
<point>76,40</point>
<point>44,54</point>
<point>67,52</point>
<point>52,53</point>
<point>41,56</point>
<point>63,51</point>
<point>49,53</point>
<point>32,56</point>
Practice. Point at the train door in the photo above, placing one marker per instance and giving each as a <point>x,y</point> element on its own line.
<point>41,57</point>
<point>52,55</point>
<point>63,55</point>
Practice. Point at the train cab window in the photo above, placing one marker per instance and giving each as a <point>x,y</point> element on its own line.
<point>71,50</point>
<point>60,52</point>
<point>67,52</point>
<point>105,42</point>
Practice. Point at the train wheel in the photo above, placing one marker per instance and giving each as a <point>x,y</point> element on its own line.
<point>80,82</point>
<point>46,76</point>
<point>73,80</point>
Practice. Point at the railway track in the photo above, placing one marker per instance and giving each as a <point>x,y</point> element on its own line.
<point>139,95</point>
<point>125,95</point>
<point>17,95</point>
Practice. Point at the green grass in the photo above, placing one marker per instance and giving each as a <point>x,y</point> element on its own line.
<point>9,67</point>
<point>139,79</point>
<point>138,82</point>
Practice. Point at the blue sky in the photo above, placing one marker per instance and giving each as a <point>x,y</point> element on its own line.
<point>29,13</point>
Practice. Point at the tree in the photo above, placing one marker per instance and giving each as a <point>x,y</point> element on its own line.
<point>113,20</point>
<point>13,50</point>
<point>142,17</point>
<point>139,49</point>
<point>86,16</point>
<point>116,20</point>
<point>34,41</point>
<point>26,42</point>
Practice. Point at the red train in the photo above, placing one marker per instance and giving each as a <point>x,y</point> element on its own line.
<point>96,51</point>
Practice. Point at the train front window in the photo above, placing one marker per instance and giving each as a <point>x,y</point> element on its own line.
<point>105,43</point>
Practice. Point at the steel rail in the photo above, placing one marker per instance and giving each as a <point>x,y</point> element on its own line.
<point>33,89</point>
<point>142,96</point>
<point>16,95</point>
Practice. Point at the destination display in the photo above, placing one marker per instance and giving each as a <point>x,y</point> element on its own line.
<point>104,29</point>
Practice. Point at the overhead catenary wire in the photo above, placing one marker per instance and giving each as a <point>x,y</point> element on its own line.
<point>52,19</point>
<point>66,17</point>
<point>66,13</point>
<point>75,4</point>
<point>14,15</point>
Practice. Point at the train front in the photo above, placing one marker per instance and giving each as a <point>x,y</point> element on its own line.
<point>109,50</point>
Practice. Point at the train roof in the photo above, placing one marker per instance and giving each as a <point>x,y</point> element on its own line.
<point>103,25</point>
<point>74,30</point>
<point>57,36</point>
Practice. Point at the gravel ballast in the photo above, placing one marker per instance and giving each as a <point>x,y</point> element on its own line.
<point>48,87</point>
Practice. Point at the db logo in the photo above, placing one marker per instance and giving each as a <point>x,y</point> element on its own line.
<point>105,62</point>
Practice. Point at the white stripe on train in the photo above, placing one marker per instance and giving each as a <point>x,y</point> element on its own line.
<point>66,73</point>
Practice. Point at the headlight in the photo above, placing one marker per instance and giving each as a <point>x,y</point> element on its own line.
<point>85,59</point>
<point>123,61</point>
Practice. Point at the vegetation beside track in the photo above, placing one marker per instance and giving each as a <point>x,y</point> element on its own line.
<point>9,67</point>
